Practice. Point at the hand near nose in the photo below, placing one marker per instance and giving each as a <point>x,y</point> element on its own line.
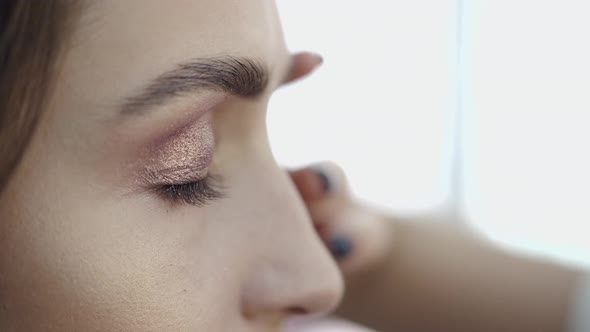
<point>358,236</point>
<point>430,272</point>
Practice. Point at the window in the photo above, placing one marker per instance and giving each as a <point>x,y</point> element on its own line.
<point>483,105</point>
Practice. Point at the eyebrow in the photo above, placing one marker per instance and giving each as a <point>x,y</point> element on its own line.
<point>238,76</point>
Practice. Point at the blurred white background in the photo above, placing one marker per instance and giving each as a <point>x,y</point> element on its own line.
<point>481,105</point>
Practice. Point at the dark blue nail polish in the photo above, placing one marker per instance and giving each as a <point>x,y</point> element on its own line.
<point>326,183</point>
<point>340,247</point>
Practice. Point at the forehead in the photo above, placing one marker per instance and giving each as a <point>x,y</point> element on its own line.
<point>121,44</point>
<point>243,25</point>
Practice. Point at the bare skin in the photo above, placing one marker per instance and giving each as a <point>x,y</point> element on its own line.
<point>87,245</point>
<point>420,273</point>
<point>92,239</point>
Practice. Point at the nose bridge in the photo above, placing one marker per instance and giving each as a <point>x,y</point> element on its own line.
<point>294,272</point>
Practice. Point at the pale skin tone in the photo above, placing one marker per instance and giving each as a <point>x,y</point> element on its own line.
<point>85,248</point>
<point>430,273</point>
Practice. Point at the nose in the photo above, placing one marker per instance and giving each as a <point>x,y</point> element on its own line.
<point>294,273</point>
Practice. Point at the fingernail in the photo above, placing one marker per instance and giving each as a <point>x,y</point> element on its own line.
<point>318,58</point>
<point>340,247</point>
<point>325,180</point>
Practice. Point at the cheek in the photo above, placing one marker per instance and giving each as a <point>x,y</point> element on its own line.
<point>115,264</point>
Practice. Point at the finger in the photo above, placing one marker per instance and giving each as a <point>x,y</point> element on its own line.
<point>302,65</point>
<point>320,182</point>
<point>324,189</point>
<point>311,184</point>
<point>356,234</point>
<point>359,237</point>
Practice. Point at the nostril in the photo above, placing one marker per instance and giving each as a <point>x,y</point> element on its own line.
<point>298,311</point>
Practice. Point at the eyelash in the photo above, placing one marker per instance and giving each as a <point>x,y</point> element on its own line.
<point>197,193</point>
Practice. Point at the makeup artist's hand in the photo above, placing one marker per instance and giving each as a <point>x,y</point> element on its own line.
<point>430,272</point>
<point>358,235</point>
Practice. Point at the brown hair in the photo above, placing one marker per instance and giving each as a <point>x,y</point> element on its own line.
<point>31,34</point>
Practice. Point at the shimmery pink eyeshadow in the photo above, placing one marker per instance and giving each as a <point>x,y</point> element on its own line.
<point>183,156</point>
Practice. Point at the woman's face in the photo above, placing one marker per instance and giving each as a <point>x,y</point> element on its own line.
<point>148,199</point>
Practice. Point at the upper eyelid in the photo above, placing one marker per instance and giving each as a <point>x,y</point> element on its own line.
<point>209,189</point>
<point>173,176</point>
<point>182,157</point>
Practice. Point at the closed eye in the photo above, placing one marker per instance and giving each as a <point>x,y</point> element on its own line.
<point>197,193</point>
